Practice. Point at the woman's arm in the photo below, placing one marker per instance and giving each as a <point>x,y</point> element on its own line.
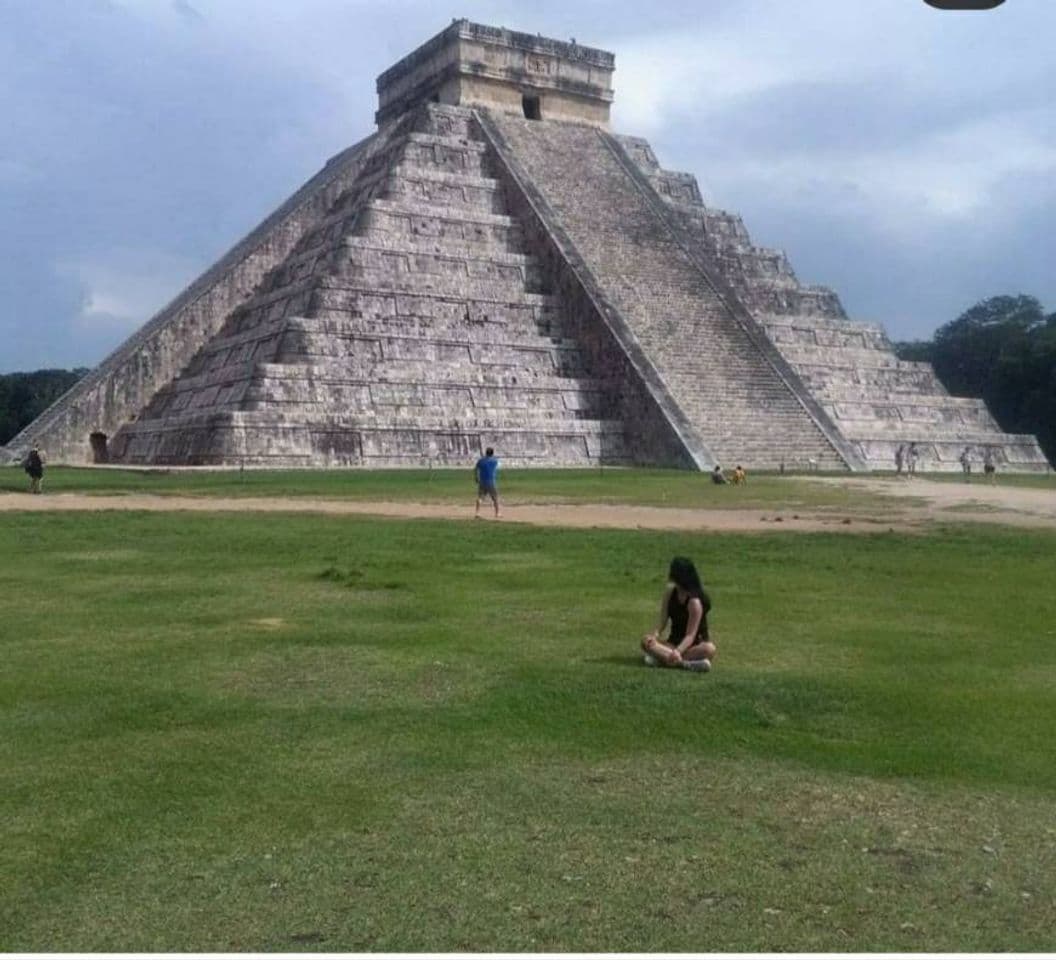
<point>696,614</point>
<point>662,622</point>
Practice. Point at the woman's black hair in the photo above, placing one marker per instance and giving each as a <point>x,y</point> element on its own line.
<point>683,574</point>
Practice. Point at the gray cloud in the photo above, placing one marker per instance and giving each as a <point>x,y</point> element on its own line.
<point>905,157</point>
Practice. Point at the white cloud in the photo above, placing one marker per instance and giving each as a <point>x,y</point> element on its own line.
<point>123,288</point>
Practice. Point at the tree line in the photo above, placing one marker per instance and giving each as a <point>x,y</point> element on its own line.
<point>24,396</point>
<point>1003,350</point>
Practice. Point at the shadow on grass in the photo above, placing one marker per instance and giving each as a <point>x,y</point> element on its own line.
<point>620,660</point>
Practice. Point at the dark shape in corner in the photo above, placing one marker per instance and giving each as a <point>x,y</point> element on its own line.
<point>964,4</point>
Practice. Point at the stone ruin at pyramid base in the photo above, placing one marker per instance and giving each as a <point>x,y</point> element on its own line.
<point>493,267</point>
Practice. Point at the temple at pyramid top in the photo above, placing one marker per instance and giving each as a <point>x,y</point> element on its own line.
<point>470,64</point>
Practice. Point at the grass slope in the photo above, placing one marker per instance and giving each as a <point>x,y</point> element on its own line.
<point>305,733</point>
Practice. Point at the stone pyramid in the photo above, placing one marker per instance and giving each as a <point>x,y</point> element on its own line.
<point>492,267</point>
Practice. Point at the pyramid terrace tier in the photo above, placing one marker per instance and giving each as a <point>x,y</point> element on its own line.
<point>274,439</point>
<point>366,309</point>
<point>348,347</point>
<point>897,376</point>
<point>1018,453</point>
<point>918,408</point>
<point>345,385</point>
<point>442,223</point>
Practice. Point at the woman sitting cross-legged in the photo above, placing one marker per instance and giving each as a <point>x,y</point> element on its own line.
<point>686,605</point>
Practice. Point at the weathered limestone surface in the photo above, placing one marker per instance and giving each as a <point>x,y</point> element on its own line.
<point>738,403</point>
<point>122,385</point>
<point>877,401</point>
<point>409,325</point>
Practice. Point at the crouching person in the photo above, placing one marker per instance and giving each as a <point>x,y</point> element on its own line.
<point>685,606</point>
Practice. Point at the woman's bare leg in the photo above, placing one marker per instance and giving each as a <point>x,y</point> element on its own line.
<point>701,651</point>
<point>663,652</point>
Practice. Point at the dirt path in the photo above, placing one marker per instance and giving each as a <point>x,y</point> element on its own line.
<point>623,516</point>
<point>973,502</point>
<point>941,501</point>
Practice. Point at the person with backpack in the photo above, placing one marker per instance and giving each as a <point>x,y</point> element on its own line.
<point>34,466</point>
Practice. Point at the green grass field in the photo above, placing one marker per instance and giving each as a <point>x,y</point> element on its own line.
<point>284,733</point>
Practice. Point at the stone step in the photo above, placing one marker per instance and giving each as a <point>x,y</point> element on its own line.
<point>478,328</point>
<point>570,401</point>
<point>447,120</point>
<point>428,187</point>
<point>937,413</point>
<point>491,231</point>
<point>505,283</point>
<point>835,356</point>
<point>338,294</point>
<point>281,442</point>
<point>388,358</point>
<point>902,376</point>
<point>864,393</point>
<point>1009,451</point>
<point>810,321</point>
<point>386,258</point>
<point>450,154</point>
<point>518,366</point>
<point>479,375</point>
<point>549,400</point>
<point>542,333</point>
<point>953,429</point>
<point>803,334</point>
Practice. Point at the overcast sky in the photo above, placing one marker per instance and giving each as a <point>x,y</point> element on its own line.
<point>902,155</point>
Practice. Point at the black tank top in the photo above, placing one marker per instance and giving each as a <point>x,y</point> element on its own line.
<point>679,614</point>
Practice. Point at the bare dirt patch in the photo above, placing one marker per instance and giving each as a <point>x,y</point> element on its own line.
<point>963,502</point>
<point>621,516</point>
<point>923,503</point>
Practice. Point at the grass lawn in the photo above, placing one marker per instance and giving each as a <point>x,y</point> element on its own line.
<point>676,488</point>
<point>286,733</point>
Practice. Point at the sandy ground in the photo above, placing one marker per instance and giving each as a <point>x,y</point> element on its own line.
<point>974,502</point>
<point>924,503</point>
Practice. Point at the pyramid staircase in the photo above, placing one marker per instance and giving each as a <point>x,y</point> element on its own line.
<point>740,397</point>
<point>876,401</point>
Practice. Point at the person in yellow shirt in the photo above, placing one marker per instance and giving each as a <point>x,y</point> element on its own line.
<point>739,476</point>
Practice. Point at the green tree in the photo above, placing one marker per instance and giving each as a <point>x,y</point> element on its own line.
<point>1003,350</point>
<point>24,396</point>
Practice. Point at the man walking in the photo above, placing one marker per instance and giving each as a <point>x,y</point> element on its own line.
<point>484,472</point>
<point>34,466</point>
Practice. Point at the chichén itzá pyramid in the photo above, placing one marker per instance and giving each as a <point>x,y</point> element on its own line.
<point>493,267</point>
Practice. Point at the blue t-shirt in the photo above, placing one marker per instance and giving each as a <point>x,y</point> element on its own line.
<point>487,467</point>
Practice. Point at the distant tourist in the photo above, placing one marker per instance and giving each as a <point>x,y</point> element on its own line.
<point>900,459</point>
<point>989,467</point>
<point>33,464</point>
<point>966,463</point>
<point>912,456</point>
<point>739,476</point>
<point>685,606</point>
<point>717,476</point>
<point>487,485</point>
